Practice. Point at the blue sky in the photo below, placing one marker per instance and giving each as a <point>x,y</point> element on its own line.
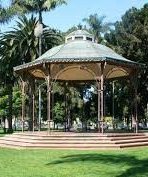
<point>66,16</point>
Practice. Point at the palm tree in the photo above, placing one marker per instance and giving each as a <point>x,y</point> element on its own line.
<point>6,13</point>
<point>34,6</point>
<point>23,35</point>
<point>97,26</point>
<point>21,46</point>
<point>8,51</point>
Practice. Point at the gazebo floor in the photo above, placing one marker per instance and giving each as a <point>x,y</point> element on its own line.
<point>69,140</point>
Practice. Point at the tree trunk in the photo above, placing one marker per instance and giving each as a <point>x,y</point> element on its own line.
<point>40,17</point>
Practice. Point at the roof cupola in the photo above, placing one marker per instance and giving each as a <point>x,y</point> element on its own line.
<point>79,35</point>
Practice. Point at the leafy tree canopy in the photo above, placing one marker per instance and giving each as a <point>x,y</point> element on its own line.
<point>130,38</point>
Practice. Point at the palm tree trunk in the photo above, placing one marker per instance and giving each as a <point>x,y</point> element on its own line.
<point>40,17</point>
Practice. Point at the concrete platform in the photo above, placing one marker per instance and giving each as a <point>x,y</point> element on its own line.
<point>69,140</point>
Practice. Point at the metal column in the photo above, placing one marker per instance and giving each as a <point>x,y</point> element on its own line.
<point>48,101</point>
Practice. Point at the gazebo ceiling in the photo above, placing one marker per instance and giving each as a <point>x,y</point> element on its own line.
<point>79,58</point>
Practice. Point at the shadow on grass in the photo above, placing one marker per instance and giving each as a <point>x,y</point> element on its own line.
<point>136,167</point>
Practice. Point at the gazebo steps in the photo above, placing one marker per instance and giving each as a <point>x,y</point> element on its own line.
<point>78,138</point>
<point>59,146</point>
<point>134,144</point>
<point>73,140</point>
<point>71,134</point>
<point>57,142</point>
<point>52,137</point>
<point>128,138</point>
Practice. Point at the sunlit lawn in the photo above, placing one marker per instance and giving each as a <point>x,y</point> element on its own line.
<point>70,163</point>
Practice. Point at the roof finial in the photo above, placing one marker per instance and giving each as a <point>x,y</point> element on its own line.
<point>79,26</point>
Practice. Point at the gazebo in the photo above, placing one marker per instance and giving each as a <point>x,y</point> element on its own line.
<point>79,59</point>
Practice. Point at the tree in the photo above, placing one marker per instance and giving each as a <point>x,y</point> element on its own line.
<point>8,59</point>
<point>23,34</point>
<point>4,102</point>
<point>97,26</point>
<point>6,13</point>
<point>59,113</point>
<point>21,46</point>
<point>33,6</point>
<point>130,38</point>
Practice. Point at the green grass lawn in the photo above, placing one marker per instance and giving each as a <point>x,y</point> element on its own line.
<point>70,163</point>
<point>1,132</point>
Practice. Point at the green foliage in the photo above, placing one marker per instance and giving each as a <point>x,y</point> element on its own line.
<point>130,38</point>
<point>17,101</point>
<point>59,113</point>
<point>22,39</point>
<point>33,6</point>
<point>36,6</point>
<point>6,14</point>
<point>17,47</point>
<point>4,106</point>
<point>97,27</point>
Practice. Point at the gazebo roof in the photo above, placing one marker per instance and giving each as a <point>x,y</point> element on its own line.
<point>82,51</point>
<point>79,59</point>
<point>79,46</point>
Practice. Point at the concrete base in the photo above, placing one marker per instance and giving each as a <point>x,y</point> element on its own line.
<point>68,140</point>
